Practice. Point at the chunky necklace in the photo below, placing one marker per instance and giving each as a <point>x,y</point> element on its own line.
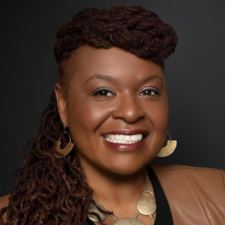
<point>145,206</point>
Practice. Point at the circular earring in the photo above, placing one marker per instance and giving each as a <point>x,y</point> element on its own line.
<point>168,149</point>
<point>65,151</point>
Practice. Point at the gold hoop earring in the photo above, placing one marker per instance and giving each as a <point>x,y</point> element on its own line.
<point>168,149</point>
<point>65,151</point>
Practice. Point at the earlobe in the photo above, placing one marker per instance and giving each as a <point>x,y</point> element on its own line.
<point>61,102</point>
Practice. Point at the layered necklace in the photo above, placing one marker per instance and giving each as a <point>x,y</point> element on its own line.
<point>145,206</point>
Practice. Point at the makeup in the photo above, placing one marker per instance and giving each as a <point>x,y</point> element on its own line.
<point>125,140</point>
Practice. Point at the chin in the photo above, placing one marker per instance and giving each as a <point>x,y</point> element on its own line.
<point>126,171</point>
<point>127,166</point>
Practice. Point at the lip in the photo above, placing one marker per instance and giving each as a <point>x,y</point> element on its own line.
<point>126,147</point>
<point>128,132</point>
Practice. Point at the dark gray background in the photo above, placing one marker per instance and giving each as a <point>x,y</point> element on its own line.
<point>195,75</point>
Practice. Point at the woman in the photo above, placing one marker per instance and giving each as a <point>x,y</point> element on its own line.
<point>110,112</point>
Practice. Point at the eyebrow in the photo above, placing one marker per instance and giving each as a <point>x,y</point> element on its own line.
<point>114,80</point>
<point>151,77</point>
<point>103,77</point>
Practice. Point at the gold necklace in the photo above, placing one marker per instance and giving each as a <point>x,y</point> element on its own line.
<point>145,205</point>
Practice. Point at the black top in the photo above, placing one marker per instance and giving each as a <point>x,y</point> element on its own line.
<point>164,216</point>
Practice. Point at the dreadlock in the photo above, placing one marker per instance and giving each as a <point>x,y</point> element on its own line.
<point>54,191</point>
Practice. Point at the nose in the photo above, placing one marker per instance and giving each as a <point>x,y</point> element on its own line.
<point>128,109</point>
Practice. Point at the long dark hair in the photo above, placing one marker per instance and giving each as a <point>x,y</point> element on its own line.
<point>54,191</point>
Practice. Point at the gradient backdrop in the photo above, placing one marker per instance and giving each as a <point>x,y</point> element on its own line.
<point>195,75</point>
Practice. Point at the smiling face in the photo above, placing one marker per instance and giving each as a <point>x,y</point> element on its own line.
<point>115,107</point>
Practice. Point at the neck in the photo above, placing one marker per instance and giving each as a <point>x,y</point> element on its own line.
<point>111,190</point>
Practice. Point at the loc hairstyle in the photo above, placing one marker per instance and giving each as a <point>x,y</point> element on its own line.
<point>54,191</point>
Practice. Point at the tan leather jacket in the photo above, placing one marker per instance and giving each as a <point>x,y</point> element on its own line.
<point>196,195</point>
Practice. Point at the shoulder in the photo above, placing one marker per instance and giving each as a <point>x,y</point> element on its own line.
<point>195,178</point>
<point>4,201</point>
<point>160,169</point>
<point>193,193</point>
<point>190,173</point>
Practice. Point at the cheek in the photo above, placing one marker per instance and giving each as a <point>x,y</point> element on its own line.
<point>158,113</point>
<point>161,117</point>
<point>158,116</point>
<point>84,118</point>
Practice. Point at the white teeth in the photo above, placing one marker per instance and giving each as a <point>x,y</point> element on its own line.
<point>127,138</point>
<point>121,137</point>
<point>124,139</point>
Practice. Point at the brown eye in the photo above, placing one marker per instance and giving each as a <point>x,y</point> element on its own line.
<point>103,92</point>
<point>149,91</point>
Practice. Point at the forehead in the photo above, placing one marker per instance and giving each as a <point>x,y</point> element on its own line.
<point>88,60</point>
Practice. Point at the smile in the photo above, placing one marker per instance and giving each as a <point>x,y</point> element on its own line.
<point>123,139</point>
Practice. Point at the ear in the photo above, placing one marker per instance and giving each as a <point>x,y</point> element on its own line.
<point>61,102</point>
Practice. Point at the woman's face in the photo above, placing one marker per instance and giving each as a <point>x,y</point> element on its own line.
<point>116,109</point>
